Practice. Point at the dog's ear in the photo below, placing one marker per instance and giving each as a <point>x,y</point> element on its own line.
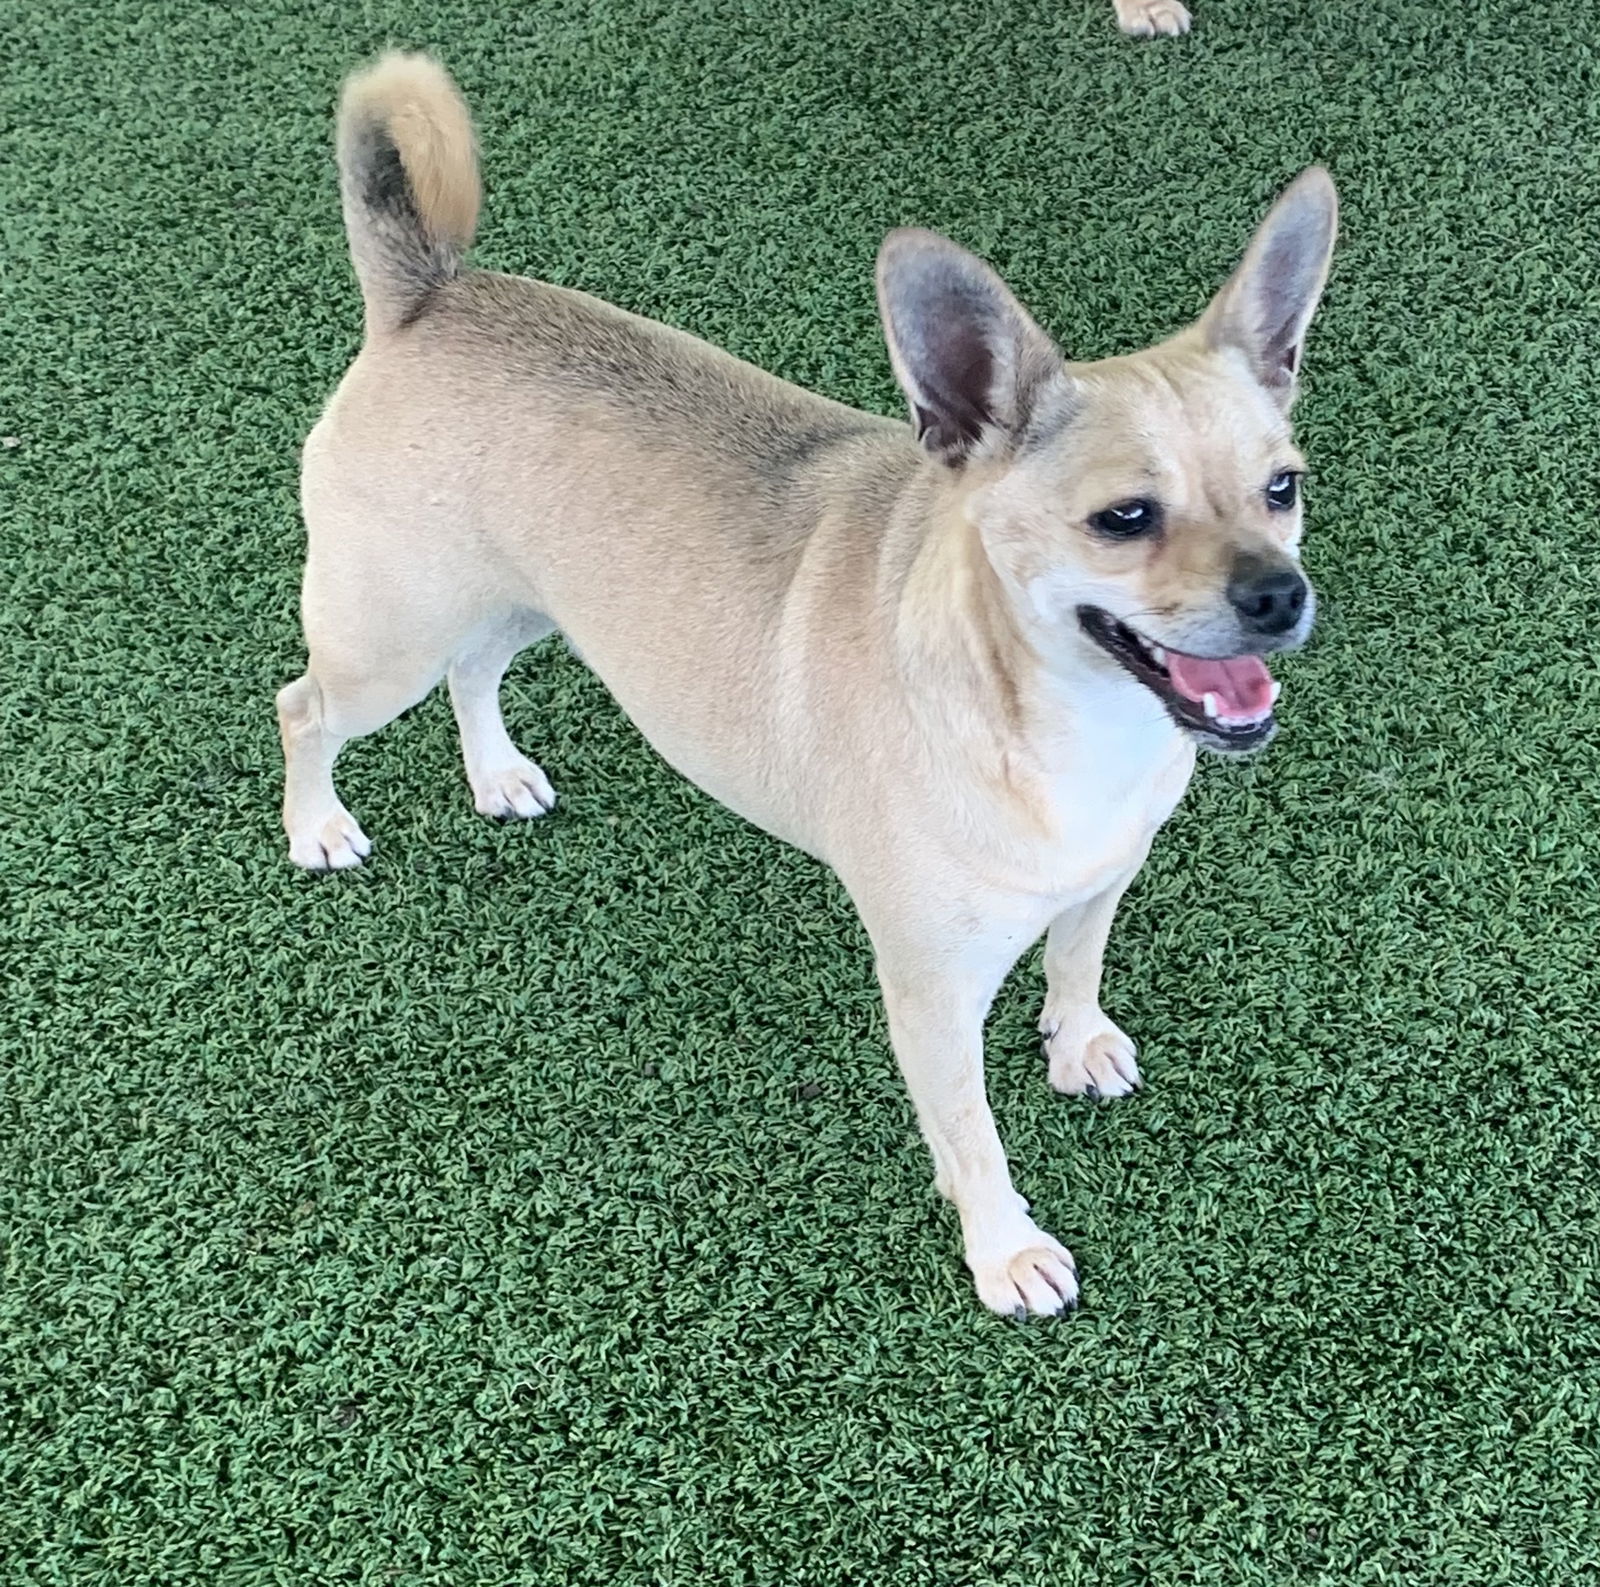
<point>966,353</point>
<point>1265,308</point>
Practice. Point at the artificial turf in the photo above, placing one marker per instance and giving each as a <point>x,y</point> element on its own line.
<point>540,1205</point>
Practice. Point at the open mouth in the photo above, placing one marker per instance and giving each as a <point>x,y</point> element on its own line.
<point>1225,702</point>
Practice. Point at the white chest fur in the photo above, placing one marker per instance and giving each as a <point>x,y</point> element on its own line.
<point>1115,775</point>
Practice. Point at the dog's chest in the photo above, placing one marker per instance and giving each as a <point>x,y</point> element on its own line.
<point>1106,802</point>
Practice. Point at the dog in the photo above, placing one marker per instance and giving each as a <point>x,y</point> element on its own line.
<point>1145,19</point>
<point>966,661</point>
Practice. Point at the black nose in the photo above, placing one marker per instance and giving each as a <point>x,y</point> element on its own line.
<point>1268,596</point>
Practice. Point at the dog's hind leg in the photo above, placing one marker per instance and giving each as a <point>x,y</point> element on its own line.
<point>505,783</point>
<point>377,646</point>
<point>318,714</point>
<point>323,835</point>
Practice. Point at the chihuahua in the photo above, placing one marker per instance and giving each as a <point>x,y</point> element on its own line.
<point>964,661</point>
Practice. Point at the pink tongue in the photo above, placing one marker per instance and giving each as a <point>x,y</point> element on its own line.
<point>1242,684</point>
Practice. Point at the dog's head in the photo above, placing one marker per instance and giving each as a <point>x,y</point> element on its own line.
<point>1145,507</point>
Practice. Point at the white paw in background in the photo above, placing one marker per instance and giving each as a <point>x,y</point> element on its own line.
<point>1148,19</point>
<point>333,844</point>
<point>515,792</point>
<point>1090,1057</point>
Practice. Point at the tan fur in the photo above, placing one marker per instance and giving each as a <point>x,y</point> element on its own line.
<point>866,646</point>
<point>414,103</point>
<point>430,123</point>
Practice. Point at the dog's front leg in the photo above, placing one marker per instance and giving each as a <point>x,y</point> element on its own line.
<point>936,1012</point>
<point>1088,1055</point>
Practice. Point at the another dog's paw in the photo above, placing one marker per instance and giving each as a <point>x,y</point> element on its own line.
<point>1038,1279</point>
<point>1090,1058</point>
<point>515,792</point>
<point>1148,19</point>
<point>336,844</point>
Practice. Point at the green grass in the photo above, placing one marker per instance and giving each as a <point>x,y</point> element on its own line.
<point>540,1205</point>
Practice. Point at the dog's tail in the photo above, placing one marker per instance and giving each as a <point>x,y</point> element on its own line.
<point>408,173</point>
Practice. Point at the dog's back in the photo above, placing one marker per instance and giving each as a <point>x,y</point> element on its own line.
<point>502,442</point>
<point>563,359</point>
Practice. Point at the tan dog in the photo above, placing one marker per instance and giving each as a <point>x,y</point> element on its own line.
<point>1144,19</point>
<point>965,663</point>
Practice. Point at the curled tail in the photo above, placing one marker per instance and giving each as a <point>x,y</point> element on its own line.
<point>408,173</point>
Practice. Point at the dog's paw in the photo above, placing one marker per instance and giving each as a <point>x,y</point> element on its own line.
<point>1148,19</point>
<point>515,792</point>
<point>1090,1058</point>
<point>334,844</point>
<point>1037,1278</point>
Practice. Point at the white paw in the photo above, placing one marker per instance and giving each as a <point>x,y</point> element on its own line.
<point>1028,1276</point>
<point>515,792</point>
<point>334,844</point>
<point>1146,19</point>
<point>1090,1057</point>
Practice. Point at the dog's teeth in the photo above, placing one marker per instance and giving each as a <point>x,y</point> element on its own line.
<point>1277,689</point>
<point>1211,705</point>
<point>1158,655</point>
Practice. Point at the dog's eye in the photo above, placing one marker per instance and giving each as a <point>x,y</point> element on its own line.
<point>1283,491</point>
<point>1127,519</point>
